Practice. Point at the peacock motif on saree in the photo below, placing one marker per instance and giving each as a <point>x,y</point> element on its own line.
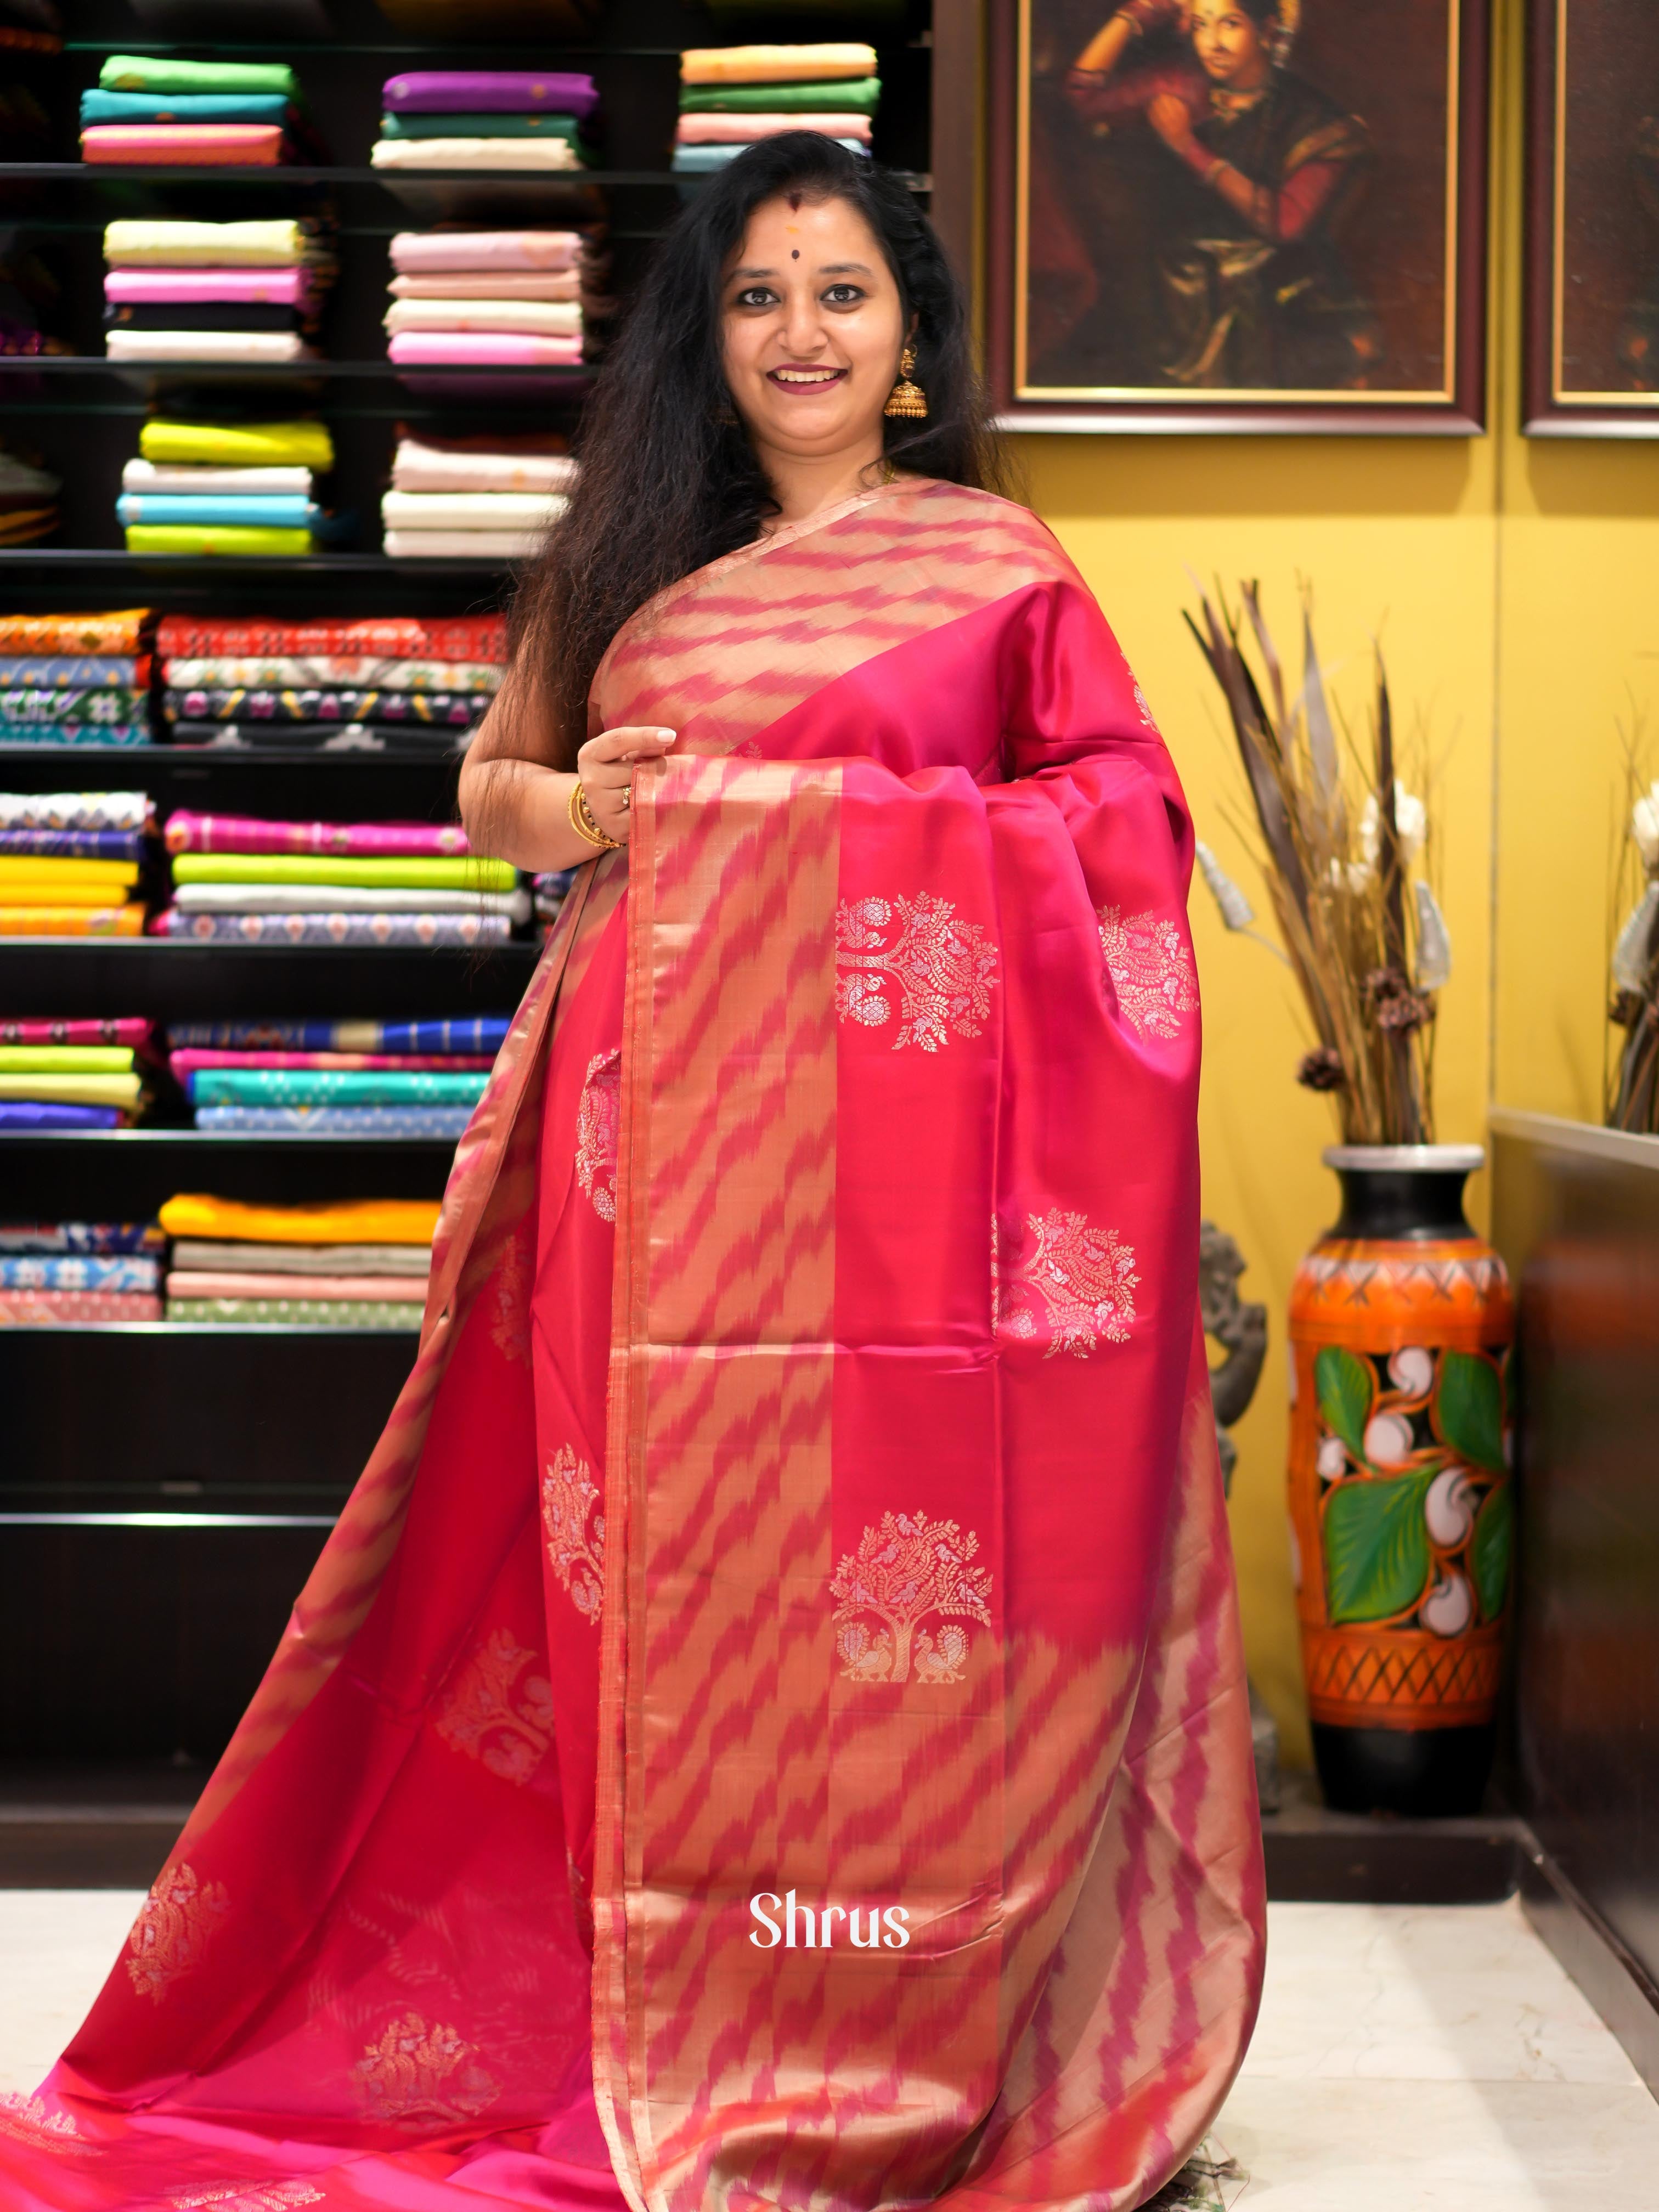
<point>909,1568</point>
<point>940,971</point>
<point>1150,968</point>
<point>491,1715</point>
<point>1069,1282</point>
<point>576,1533</point>
<point>174,1926</point>
<point>598,1116</point>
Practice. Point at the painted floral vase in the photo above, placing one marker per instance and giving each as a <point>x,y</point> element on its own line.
<point>1400,1494</point>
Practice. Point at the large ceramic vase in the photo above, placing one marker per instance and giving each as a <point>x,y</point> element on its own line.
<point>1401,1499</point>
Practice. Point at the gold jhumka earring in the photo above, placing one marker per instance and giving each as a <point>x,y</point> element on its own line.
<point>905,398</point>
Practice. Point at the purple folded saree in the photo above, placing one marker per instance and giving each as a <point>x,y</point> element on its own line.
<point>33,1114</point>
<point>490,92</point>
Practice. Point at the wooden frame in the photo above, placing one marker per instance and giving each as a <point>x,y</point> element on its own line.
<point>1452,406</point>
<point>1587,233</point>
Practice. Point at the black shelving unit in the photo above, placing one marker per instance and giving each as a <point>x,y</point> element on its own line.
<point>165,1488</point>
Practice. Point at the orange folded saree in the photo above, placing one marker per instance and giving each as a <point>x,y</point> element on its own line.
<point>769,1728</point>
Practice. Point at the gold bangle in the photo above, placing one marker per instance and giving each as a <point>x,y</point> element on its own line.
<point>582,822</point>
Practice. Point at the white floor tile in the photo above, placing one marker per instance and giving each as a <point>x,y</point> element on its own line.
<point>1407,2059</point>
<point>57,1946</point>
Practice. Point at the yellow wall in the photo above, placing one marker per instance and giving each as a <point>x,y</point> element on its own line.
<point>1512,583</point>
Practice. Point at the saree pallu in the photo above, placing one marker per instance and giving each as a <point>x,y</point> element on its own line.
<point>803,1511</point>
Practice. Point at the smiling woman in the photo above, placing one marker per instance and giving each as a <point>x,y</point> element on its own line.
<point>806,1487</point>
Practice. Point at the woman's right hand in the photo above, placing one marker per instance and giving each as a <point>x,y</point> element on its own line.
<point>604,771</point>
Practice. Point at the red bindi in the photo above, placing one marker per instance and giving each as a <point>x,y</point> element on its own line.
<point>794,253</point>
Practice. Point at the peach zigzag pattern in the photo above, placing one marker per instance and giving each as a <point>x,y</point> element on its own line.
<point>713,659</point>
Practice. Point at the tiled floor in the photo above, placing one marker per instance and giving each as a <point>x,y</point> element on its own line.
<point>1407,2059</point>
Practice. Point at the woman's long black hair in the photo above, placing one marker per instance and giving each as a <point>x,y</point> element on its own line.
<point>668,478</point>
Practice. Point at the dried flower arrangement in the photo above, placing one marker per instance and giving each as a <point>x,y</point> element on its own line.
<point>1365,938</point>
<point>1633,1081</point>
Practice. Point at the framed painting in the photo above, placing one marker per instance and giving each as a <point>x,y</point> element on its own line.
<point>1238,215</point>
<point>1592,297</point>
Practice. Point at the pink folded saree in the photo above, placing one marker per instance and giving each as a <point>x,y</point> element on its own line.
<point>278,287</point>
<point>188,1058</point>
<point>424,252</point>
<point>488,284</point>
<point>471,348</point>
<point>187,145</point>
<point>742,129</point>
<point>187,832</point>
<point>803,1510</point>
<point>205,1283</point>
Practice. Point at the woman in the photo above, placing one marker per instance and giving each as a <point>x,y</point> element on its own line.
<point>1253,290</point>
<point>768,1726</point>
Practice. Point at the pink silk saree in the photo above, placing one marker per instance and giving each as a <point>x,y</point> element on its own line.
<point>803,1514</point>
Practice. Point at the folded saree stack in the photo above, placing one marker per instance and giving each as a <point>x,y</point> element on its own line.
<point>483,498</point>
<point>239,294</point>
<point>75,679</point>
<point>159,109</point>
<point>493,299</point>
<point>398,684</point>
<point>485,120</point>
<point>69,866</point>
<point>361,1264</point>
<point>74,1072</point>
<point>55,1272</point>
<point>729,96</point>
<point>232,510</point>
<point>388,1080</point>
<point>244,880</point>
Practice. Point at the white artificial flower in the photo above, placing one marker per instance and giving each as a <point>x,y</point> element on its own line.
<point>1411,822</point>
<point>1645,826</point>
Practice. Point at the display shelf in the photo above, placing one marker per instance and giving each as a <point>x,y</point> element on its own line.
<point>166,1486</point>
<point>175,980</point>
<point>125,1174</point>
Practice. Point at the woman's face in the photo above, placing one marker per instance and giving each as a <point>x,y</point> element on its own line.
<point>1228,44</point>
<point>812,328</point>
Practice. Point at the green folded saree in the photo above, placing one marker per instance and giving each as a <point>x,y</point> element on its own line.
<point>299,444</point>
<point>469,873</point>
<point>299,1313</point>
<point>166,73</point>
<point>238,540</point>
<point>481,126</point>
<point>332,1086</point>
<point>855,95</point>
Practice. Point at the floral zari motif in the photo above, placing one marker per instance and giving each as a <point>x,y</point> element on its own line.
<point>575,1532</point>
<point>906,1571</point>
<point>245,2196</point>
<point>413,2075</point>
<point>940,971</point>
<point>598,1115</point>
<point>27,2120</point>
<point>175,1923</point>
<point>1069,1282</point>
<point>1150,968</point>
<point>491,1716</point>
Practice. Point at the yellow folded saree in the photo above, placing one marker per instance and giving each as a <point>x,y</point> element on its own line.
<point>351,1221</point>
<point>72,1089</point>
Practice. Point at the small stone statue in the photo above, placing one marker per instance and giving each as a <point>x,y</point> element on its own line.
<point>1241,1330</point>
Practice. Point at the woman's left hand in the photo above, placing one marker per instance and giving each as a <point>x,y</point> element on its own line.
<point>1170,117</point>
